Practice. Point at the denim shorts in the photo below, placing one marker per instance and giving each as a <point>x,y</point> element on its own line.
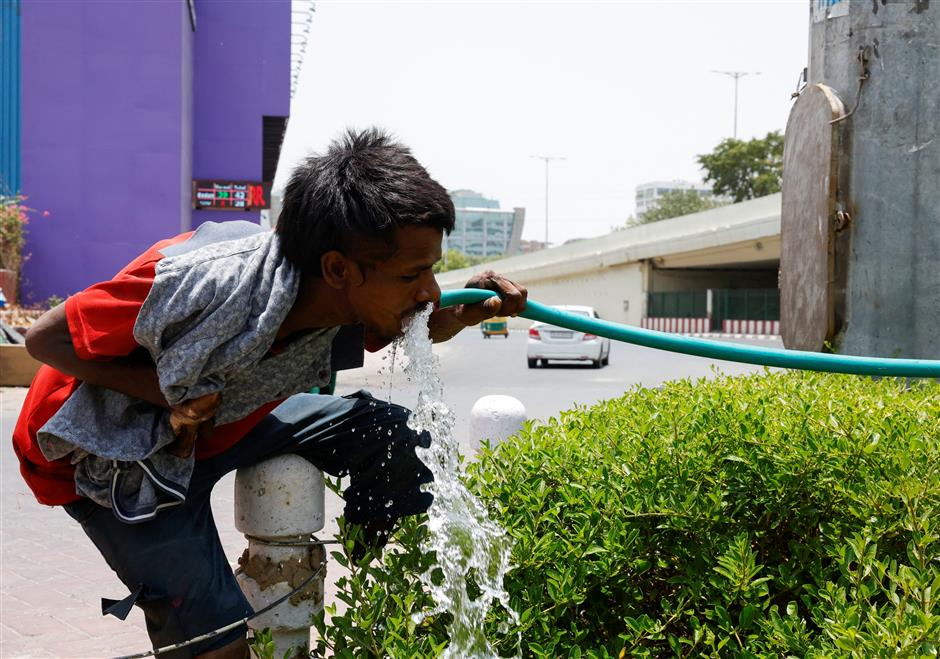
<point>174,564</point>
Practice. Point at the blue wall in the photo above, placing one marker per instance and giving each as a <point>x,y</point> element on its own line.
<point>9,96</point>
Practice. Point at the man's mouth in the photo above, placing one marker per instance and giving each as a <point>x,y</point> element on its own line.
<point>411,313</point>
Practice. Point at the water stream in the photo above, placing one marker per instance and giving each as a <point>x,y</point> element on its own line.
<point>467,543</point>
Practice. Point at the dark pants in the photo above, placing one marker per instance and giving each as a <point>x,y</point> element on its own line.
<point>175,562</point>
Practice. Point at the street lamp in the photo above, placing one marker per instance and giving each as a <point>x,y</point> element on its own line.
<point>737,75</point>
<point>547,159</point>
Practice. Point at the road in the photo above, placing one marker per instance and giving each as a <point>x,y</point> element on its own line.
<point>472,366</point>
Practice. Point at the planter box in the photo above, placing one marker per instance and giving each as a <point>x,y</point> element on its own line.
<point>17,367</point>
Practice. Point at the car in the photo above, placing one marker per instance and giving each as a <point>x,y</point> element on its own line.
<point>497,325</point>
<point>548,342</point>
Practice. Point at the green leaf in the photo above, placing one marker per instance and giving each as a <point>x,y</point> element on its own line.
<point>746,617</point>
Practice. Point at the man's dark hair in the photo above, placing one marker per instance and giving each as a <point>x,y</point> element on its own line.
<point>365,186</point>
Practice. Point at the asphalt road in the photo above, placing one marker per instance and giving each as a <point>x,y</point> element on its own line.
<point>472,366</point>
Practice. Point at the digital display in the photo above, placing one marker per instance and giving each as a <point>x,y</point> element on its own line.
<point>231,195</point>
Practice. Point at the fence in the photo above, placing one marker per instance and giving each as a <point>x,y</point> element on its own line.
<point>736,311</point>
<point>746,304</point>
<point>678,304</point>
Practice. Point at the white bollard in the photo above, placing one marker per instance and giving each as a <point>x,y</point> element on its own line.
<point>495,418</point>
<point>279,502</point>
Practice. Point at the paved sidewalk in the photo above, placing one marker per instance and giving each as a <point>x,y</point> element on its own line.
<point>52,578</point>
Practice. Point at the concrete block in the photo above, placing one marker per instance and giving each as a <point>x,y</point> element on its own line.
<point>279,498</point>
<point>495,418</point>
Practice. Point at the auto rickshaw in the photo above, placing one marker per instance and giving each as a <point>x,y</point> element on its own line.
<point>497,325</point>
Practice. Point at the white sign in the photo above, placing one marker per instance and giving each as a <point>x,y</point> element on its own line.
<point>823,9</point>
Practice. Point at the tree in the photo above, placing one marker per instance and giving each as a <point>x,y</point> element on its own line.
<point>455,260</point>
<point>673,204</point>
<point>744,170</point>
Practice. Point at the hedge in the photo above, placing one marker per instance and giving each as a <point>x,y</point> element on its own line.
<point>782,514</point>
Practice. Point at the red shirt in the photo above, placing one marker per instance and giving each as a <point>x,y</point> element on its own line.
<point>101,321</point>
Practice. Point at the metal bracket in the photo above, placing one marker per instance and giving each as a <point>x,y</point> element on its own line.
<point>841,220</point>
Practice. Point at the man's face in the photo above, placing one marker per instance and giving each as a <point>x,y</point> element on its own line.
<point>395,286</point>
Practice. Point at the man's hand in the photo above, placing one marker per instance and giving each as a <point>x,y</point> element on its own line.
<point>511,300</point>
<point>192,420</point>
<point>445,323</point>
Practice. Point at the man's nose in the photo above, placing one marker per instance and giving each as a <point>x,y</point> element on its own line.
<point>429,291</point>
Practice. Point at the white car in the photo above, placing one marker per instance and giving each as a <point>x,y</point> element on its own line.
<point>550,342</point>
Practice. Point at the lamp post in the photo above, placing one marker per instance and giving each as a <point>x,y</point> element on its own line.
<point>737,75</point>
<point>546,160</point>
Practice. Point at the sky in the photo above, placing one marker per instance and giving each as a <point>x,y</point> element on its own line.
<point>624,91</point>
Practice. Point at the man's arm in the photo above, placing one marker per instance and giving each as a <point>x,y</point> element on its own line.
<point>446,323</point>
<point>50,341</point>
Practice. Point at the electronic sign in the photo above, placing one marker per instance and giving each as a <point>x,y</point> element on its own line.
<point>231,195</point>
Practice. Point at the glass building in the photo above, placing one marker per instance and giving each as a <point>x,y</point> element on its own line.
<point>482,228</point>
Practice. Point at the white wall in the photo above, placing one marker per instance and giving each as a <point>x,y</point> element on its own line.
<point>605,290</point>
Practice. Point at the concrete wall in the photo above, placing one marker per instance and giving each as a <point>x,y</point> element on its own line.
<point>892,153</point>
<point>122,105</point>
<point>616,293</point>
<point>663,281</point>
<point>758,252</point>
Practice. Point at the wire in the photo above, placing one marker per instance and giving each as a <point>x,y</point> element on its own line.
<point>864,54</point>
<point>313,540</point>
<point>234,625</point>
<point>797,359</point>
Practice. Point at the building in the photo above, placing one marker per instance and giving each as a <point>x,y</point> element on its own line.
<point>528,246</point>
<point>648,194</point>
<point>9,97</point>
<point>141,120</point>
<point>482,228</point>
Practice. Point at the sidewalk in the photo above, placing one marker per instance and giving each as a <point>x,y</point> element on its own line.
<point>52,578</point>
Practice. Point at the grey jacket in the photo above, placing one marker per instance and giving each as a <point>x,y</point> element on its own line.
<point>209,321</point>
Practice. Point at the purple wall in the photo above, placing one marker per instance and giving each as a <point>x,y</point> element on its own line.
<point>242,72</point>
<point>101,136</point>
<point>122,106</point>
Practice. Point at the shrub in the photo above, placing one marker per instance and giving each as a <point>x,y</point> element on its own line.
<point>13,221</point>
<point>787,514</point>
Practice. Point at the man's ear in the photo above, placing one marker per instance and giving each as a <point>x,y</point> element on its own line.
<point>339,271</point>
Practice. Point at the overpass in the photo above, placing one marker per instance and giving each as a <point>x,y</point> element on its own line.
<point>706,267</point>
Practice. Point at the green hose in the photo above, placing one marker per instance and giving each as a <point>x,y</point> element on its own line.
<point>807,361</point>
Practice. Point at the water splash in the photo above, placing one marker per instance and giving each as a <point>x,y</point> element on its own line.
<point>390,356</point>
<point>468,544</point>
